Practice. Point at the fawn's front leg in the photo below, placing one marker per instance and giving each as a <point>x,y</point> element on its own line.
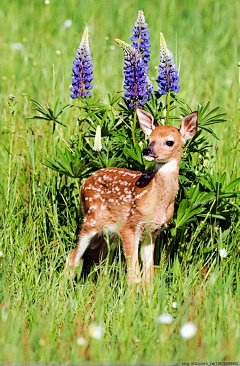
<point>131,239</point>
<point>147,255</point>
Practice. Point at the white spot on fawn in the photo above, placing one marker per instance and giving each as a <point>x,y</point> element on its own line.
<point>141,194</point>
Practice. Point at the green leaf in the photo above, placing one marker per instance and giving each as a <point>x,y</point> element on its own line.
<point>232,184</point>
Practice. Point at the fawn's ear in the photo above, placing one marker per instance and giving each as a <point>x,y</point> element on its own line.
<point>146,121</point>
<point>189,126</point>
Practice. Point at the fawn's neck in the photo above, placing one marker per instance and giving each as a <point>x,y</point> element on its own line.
<point>166,178</point>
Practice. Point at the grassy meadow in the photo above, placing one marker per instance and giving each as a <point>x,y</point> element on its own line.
<point>97,317</point>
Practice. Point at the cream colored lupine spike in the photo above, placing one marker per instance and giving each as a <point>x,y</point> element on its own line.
<point>141,17</point>
<point>85,37</point>
<point>97,141</point>
<point>163,46</point>
<point>84,44</point>
<point>125,46</point>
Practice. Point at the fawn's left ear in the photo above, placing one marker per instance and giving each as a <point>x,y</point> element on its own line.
<point>189,126</point>
<point>146,121</point>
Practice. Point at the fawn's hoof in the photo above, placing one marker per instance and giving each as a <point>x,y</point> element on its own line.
<point>133,279</point>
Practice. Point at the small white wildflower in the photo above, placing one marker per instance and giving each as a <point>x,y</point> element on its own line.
<point>213,279</point>
<point>223,253</point>
<point>237,332</point>
<point>188,330</point>
<point>106,38</point>
<point>97,141</point>
<point>67,24</point>
<point>164,318</point>
<point>1,253</point>
<point>47,2</point>
<point>17,46</point>
<point>11,96</point>
<point>42,342</point>
<point>95,331</point>
<point>58,52</point>
<point>81,341</point>
<point>112,47</point>
<point>4,312</point>
<point>174,305</point>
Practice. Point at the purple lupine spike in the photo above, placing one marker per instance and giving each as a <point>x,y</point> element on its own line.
<point>168,78</point>
<point>141,38</point>
<point>82,70</point>
<point>136,81</point>
<point>140,41</point>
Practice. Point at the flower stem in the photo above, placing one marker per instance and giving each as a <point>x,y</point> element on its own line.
<point>101,158</point>
<point>168,106</point>
<point>134,127</point>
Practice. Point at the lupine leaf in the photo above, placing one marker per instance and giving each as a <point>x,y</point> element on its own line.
<point>232,184</point>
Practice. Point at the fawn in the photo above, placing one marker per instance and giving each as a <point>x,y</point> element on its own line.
<point>133,204</point>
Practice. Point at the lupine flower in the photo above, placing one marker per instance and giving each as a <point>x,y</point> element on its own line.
<point>136,82</point>
<point>168,78</point>
<point>188,330</point>
<point>141,43</point>
<point>82,70</point>
<point>97,141</point>
<point>164,319</point>
<point>141,38</point>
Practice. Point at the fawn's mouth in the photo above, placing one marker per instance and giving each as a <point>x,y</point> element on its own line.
<point>149,158</point>
<point>156,159</point>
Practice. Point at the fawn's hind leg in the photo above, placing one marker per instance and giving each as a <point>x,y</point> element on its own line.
<point>88,231</point>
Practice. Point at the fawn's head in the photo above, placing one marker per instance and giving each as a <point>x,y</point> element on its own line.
<point>165,143</point>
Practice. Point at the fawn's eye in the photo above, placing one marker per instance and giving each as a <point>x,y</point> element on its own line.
<point>169,143</point>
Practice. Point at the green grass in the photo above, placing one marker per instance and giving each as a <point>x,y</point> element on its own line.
<point>43,313</point>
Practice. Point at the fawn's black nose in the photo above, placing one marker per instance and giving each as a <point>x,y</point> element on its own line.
<point>147,151</point>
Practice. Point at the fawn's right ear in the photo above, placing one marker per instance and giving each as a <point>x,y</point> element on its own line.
<point>146,121</point>
<point>189,126</point>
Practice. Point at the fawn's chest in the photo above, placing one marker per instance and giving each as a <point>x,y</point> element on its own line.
<point>156,203</point>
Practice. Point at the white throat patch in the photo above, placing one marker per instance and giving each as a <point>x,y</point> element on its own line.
<point>170,166</point>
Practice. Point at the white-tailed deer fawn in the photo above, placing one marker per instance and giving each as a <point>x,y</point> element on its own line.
<point>133,204</point>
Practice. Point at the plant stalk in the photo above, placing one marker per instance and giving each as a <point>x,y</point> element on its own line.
<point>100,157</point>
<point>134,128</point>
<point>168,98</point>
